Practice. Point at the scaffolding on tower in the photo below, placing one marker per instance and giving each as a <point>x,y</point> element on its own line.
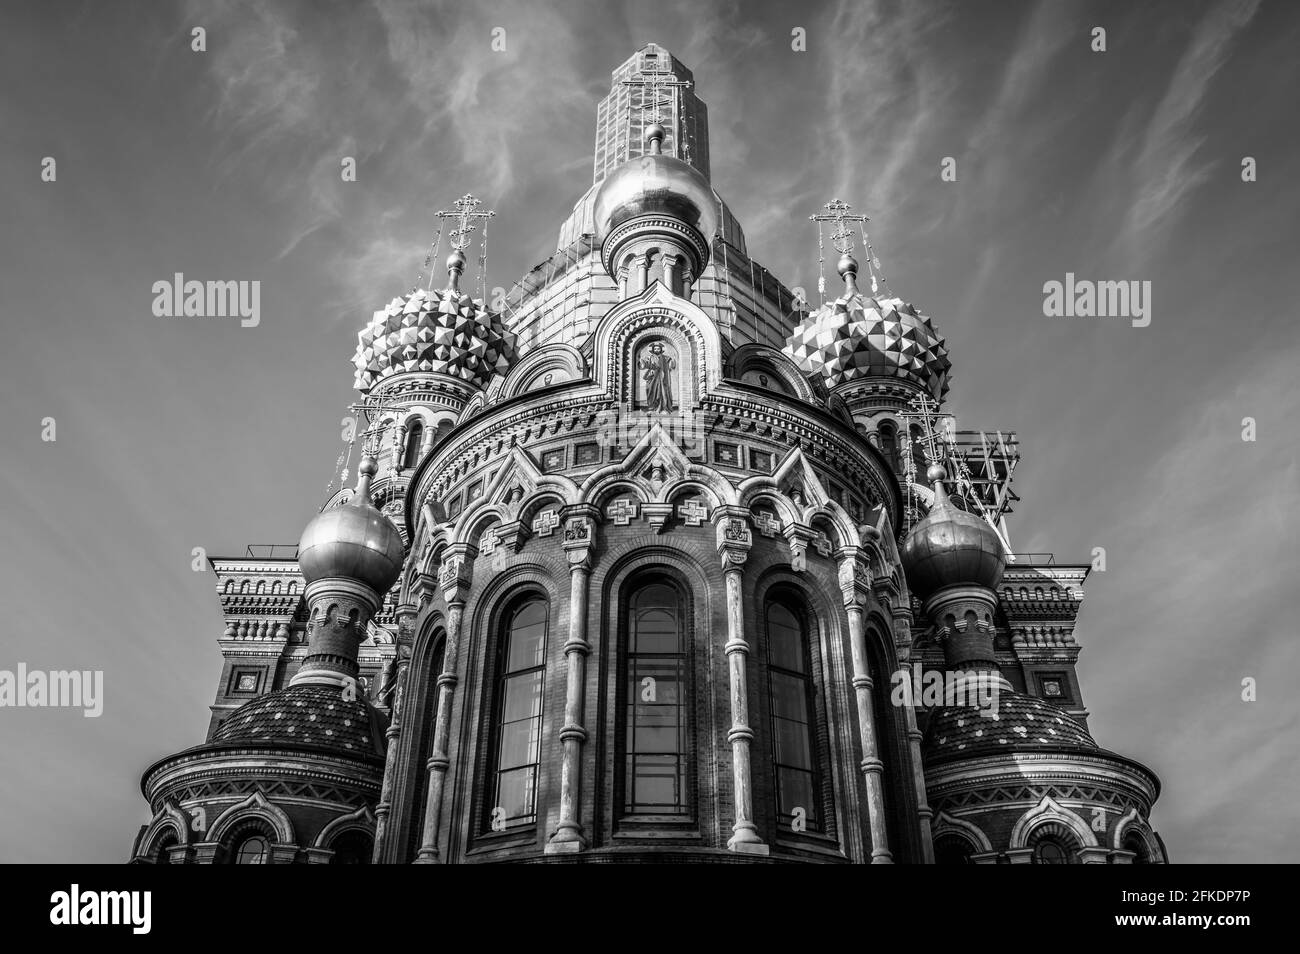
<point>981,465</point>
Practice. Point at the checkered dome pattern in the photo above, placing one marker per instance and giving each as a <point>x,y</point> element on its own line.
<point>443,332</point>
<point>857,337</point>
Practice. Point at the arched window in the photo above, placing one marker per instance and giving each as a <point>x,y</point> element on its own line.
<point>352,848</point>
<point>952,850</point>
<point>1136,845</point>
<point>1050,851</point>
<point>414,438</point>
<point>252,850</point>
<point>889,442</point>
<point>163,854</point>
<point>521,668</point>
<point>790,704</point>
<point>657,774</point>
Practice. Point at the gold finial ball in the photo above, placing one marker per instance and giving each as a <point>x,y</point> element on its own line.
<point>936,472</point>
<point>455,261</point>
<point>655,131</point>
<point>847,264</point>
<point>368,466</point>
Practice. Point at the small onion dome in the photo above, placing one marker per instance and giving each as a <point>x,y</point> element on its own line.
<point>440,332</point>
<point>1022,722</point>
<point>950,547</point>
<point>655,183</point>
<point>856,337</point>
<point>353,541</point>
<point>307,715</point>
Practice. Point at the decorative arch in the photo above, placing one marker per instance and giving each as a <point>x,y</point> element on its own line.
<point>169,820</point>
<point>753,358</point>
<point>256,807</point>
<point>1046,812</point>
<point>516,481</point>
<point>1132,825</point>
<point>658,312</point>
<point>362,820</point>
<point>563,362</point>
<point>945,825</point>
<point>657,451</point>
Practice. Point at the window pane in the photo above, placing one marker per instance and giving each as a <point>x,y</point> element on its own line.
<point>517,792</point>
<point>797,792</point>
<point>789,697</point>
<point>785,638</point>
<point>792,744</point>
<point>656,705</point>
<point>523,696</point>
<point>520,743</point>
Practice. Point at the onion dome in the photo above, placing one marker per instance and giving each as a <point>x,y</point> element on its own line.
<point>354,541</point>
<point>950,547</point>
<point>1022,722</point>
<point>656,184</point>
<point>308,715</point>
<point>856,337</point>
<point>440,332</point>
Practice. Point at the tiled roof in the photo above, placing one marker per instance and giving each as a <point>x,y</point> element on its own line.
<point>306,715</point>
<point>1021,723</point>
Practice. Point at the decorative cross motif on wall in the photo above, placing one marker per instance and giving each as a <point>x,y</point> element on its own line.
<point>692,512</point>
<point>487,544</point>
<point>544,523</point>
<point>769,525</point>
<point>622,511</point>
<point>823,543</point>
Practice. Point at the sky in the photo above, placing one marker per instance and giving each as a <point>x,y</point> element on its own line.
<point>171,434</point>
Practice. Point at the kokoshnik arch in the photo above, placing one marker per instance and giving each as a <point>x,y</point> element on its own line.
<point>629,574</point>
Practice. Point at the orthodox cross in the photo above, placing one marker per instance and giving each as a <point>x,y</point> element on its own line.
<point>655,80</point>
<point>841,213</point>
<point>927,414</point>
<point>464,210</point>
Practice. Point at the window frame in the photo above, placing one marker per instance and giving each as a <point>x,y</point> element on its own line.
<point>513,607</point>
<point>627,821</point>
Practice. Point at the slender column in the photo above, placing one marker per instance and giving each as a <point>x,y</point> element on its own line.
<point>670,274</point>
<point>855,583</point>
<point>642,273</point>
<point>454,580</point>
<point>568,836</point>
<point>734,540</point>
<point>394,689</point>
<point>686,282</point>
<point>924,814</point>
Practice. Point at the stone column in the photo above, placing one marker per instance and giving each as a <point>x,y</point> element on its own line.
<point>855,583</point>
<point>568,836</point>
<point>670,274</point>
<point>903,637</point>
<point>734,541</point>
<point>642,263</point>
<point>687,280</point>
<point>454,580</point>
<point>395,690</point>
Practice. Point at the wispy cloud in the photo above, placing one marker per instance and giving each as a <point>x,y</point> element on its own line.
<point>1168,163</point>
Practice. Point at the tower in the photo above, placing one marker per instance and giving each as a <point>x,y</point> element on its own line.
<point>653,580</point>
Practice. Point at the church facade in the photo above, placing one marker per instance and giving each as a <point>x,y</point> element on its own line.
<point>659,564</point>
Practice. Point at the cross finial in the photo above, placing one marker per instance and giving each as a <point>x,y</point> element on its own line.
<point>464,210</point>
<point>841,213</point>
<point>655,79</point>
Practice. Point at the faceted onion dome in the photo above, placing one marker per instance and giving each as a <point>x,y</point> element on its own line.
<point>857,336</point>
<point>1023,722</point>
<point>443,332</point>
<point>307,714</point>
<point>950,547</point>
<point>655,183</point>
<point>354,541</point>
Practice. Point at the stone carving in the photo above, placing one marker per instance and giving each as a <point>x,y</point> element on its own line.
<point>544,523</point>
<point>622,511</point>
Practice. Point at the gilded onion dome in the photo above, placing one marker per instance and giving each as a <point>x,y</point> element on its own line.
<point>439,332</point>
<point>950,547</point>
<point>353,541</point>
<point>856,337</point>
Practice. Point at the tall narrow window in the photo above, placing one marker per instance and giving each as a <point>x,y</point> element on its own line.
<point>519,720</point>
<point>657,704</point>
<point>414,438</point>
<point>794,754</point>
<point>889,443</point>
